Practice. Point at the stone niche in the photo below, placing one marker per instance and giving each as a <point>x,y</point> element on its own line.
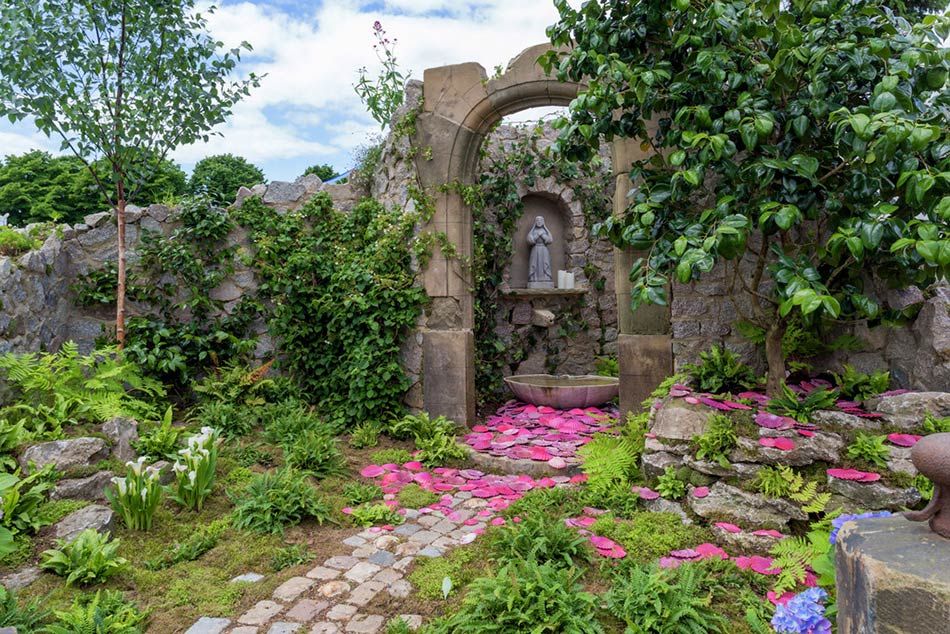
<point>552,210</point>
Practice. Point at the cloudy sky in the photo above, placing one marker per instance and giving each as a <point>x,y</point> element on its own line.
<point>306,111</point>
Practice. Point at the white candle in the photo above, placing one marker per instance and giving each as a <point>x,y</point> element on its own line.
<point>569,280</point>
<point>562,279</point>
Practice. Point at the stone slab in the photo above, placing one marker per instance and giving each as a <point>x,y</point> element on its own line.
<point>206,625</point>
<point>892,578</point>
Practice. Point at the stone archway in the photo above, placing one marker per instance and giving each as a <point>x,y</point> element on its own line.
<point>460,106</point>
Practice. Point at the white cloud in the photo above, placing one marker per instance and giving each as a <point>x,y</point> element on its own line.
<point>311,57</point>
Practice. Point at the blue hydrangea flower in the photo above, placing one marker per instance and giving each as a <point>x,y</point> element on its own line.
<point>837,522</point>
<point>803,614</point>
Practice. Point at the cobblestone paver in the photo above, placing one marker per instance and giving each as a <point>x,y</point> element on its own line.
<point>332,597</point>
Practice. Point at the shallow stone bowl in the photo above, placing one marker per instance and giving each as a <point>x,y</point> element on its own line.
<point>564,392</point>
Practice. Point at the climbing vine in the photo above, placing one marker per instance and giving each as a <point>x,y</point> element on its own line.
<point>341,297</point>
<point>496,208</point>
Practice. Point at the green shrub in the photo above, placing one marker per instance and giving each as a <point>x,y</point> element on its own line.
<point>272,502</point>
<point>543,539</point>
<point>233,420</point>
<point>283,422</point>
<point>106,612</point>
<point>391,456</point>
<point>789,404</point>
<point>607,366</point>
<point>195,545</point>
<point>652,600</point>
<point>292,555</point>
<point>398,625</point>
<point>413,496</point>
<point>521,598</point>
<point>618,497</point>
<point>858,386</point>
<point>22,498</point>
<point>25,618</point>
<point>416,426</point>
<point>557,501</point>
<point>873,449</point>
<point>375,514</point>
<point>315,452</point>
<point>257,454</point>
<point>90,557</point>
<point>720,370</point>
<point>11,436</point>
<point>440,449</point>
<point>14,243</point>
<point>360,492</point>
<point>160,441</point>
<point>670,486</point>
<point>365,434</point>
<point>236,383</point>
<point>933,425</point>
<point>717,440</point>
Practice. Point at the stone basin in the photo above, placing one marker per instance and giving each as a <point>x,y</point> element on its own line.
<point>565,391</point>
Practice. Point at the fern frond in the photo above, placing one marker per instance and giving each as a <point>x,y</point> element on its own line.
<point>608,460</point>
<point>806,493</point>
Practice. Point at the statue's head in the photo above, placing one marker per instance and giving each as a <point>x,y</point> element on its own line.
<point>539,221</point>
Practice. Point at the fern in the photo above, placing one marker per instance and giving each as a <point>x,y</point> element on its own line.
<point>778,481</point>
<point>795,555</point>
<point>719,438</point>
<point>65,387</point>
<point>609,460</point>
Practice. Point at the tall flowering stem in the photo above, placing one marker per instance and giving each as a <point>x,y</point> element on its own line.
<point>194,469</point>
<point>385,95</point>
<point>136,496</point>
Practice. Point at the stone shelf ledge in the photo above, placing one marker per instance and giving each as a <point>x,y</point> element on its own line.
<point>530,293</point>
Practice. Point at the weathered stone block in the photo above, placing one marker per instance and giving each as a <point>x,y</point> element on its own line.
<point>892,578</point>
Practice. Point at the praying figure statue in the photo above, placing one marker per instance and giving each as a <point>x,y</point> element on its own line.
<point>539,261</point>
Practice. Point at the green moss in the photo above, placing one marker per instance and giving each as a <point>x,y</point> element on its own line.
<point>413,496</point>
<point>54,510</point>
<point>391,456</point>
<point>649,536</point>
<point>461,565</point>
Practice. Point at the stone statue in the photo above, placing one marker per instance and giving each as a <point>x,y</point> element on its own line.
<point>539,260</point>
<point>931,456</point>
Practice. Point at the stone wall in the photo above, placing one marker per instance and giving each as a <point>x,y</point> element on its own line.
<point>918,355</point>
<point>38,302</point>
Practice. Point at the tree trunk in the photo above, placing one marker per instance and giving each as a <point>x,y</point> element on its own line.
<point>120,284</point>
<point>775,358</point>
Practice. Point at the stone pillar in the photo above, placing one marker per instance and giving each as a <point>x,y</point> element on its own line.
<point>449,370</point>
<point>645,347</point>
<point>893,577</point>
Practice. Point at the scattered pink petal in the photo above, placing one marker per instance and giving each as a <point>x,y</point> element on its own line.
<point>870,477</point>
<point>782,443</point>
<point>729,528</point>
<point>773,421</point>
<point>713,403</point>
<point>903,440</point>
<point>470,522</point>
<point>467,538</point>
<point>557,463</point>
<point>498,521</point>
<point>414,465</point>
<point>846,474</point>
<point>781,600</point>
<point>768,533</point>
<point>708,551</point>
<point>372,471</point>
<point>806,433</point>
<point>686,554</point>
<point>692,400</point>
<point>701,492</point>
<point>347,510</point>
<point>678,393</point>
<point>645,493</point>
<point>669,562</point>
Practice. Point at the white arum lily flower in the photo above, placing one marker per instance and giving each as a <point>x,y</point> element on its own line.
<point>179,467</point>
<point>136,466</point>
<point>191,476</point>
<point>119,485</point>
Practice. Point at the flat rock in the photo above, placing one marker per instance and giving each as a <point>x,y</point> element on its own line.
<point>74,452</point>
<point>94,516</point>
<point>907,410</point>
<point>677,420</point>
<point>654,464</point>
<point>122,432</point>
<point>21,578</point>
<point>745,542</point>
<point>655,444</point>
<point>662,505</point>
<point>728,503</point>
<point>842,420</point>
<point>874,496</point>
<point>822,447</point>
<point>208,625</point>
<point>92,488</point>
<point>282,192</point>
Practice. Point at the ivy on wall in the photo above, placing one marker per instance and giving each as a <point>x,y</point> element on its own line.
<point>496,208</point>
<point>341,298</point>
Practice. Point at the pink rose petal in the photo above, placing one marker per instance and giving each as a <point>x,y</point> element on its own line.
<point>692,400</point>
<point>729,528</point>
<point>645,493</point>
<point>845,474</point>
<point>903,440</point>
<point>701,492</point>
<point>372,471</point>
